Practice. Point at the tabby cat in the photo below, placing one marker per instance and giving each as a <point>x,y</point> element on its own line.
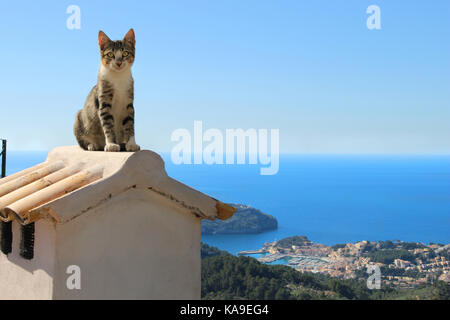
<point>107,120</point>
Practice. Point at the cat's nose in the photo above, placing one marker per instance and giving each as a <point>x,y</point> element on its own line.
<point>119,63</point>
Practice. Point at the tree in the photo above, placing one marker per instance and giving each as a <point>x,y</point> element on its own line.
<point>443,290</point>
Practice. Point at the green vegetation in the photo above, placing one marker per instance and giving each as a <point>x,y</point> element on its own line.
<point>338,246</point>
<point>209,251</point>
<point>246,220</point>
<point>388,256</point>
<point>230,277</point>
<point>225,276</point>
<point>292,241</point>
<point>411,245</point>
<point>399,272</point>
<point>386,244</point>
<point>445,254</point>
<point>442,291</point>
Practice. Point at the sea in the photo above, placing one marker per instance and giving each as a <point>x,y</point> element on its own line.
<point>331,199</point>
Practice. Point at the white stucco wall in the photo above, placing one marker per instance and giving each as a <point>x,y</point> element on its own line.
<point>29,279</point>
<point>137,245</point>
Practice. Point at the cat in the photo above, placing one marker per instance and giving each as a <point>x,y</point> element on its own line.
<point>107,119</point>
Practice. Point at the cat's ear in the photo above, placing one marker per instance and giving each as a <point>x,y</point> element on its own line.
<point>102,39</point>
<point>130,37</point>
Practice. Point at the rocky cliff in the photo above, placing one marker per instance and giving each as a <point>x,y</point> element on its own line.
<point>246,220</point>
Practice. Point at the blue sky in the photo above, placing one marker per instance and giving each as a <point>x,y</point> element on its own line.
<point>311,69</point>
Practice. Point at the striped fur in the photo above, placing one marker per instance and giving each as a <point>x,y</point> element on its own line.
<point>107,118</point>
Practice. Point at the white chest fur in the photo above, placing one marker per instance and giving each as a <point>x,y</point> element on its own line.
<point>121,82</point>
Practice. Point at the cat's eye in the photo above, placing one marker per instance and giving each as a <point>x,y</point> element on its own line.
<point>110,55</point>
<point>125,54</point>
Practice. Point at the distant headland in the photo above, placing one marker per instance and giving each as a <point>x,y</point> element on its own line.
<point>246,220</point>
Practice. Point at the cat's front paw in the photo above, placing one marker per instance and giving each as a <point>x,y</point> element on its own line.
<point>132,147</point>
<point>112,147</point>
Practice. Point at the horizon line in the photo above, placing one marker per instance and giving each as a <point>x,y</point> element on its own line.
<point>292,153</point>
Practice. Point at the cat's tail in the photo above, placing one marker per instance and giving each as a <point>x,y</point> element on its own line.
<point>78,131</point>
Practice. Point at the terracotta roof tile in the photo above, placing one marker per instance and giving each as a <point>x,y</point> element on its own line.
<point>43,191</point>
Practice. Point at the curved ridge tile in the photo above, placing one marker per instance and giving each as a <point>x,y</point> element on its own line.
<point>21,208</point>
<point>30,177</point>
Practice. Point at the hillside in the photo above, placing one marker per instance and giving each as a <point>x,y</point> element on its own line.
<point>246,220</point>
<point>403,264</point>
<point>292,241</point>
<point>225,276</point>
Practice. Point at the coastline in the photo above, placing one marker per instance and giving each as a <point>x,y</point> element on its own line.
<point>367,197</point>
<point>406,264</point>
